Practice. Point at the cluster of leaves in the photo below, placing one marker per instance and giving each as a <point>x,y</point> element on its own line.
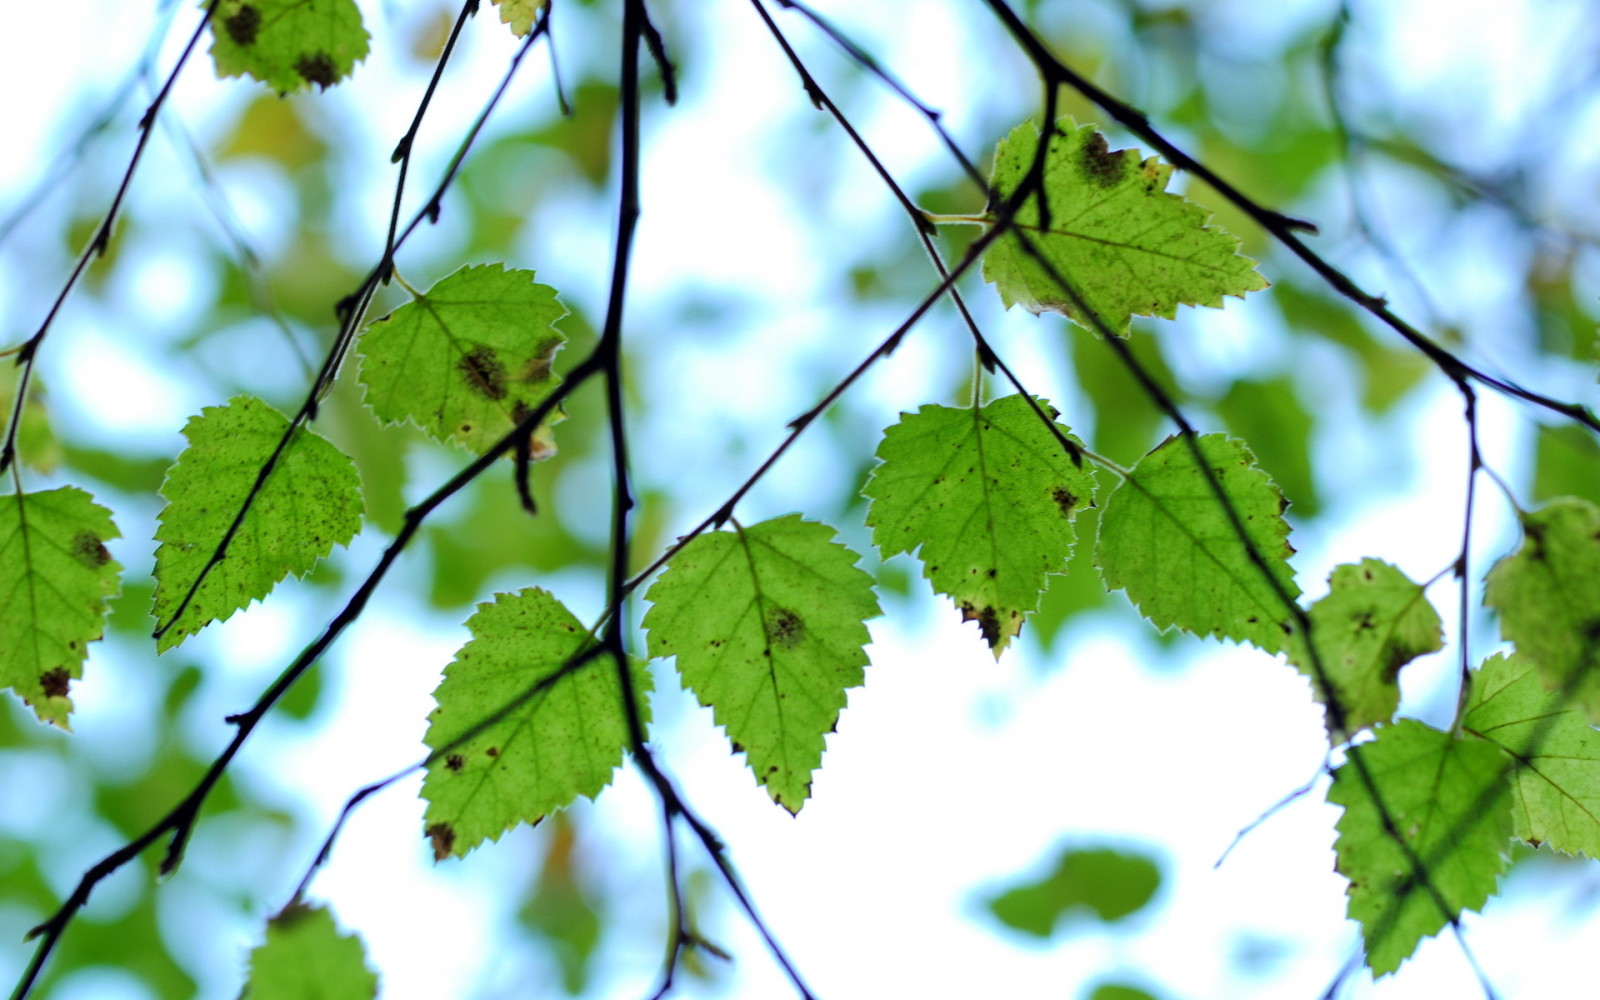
<point>766,622</point>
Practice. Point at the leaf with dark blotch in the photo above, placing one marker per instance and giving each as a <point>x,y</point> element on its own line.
<point>56,583</point>
<point>767,625</point>
<point>288,44</point>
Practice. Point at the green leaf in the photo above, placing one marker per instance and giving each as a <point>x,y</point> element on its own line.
<point>467,360</point>
<point>56,584</point>
<point>1373,622</point>
<point>1555,788</point>
<point>989,496</point>
<point>1110,884</point>
<point>1448,801</point>
<point>288,44</point>
<point>1167,541</point>
<point>1127,246</point>
<point>520,14</point>
<point>560,733</point>
<point>766,623</point>
<point>1548,596</point>
<point>306,958</point>
<point>310,503</point>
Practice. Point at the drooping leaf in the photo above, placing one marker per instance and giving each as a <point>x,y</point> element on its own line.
<point>558,731</point>
<point>56,584</point>
<point>468,359</point>
<point>766,623</point>
<point>1167,541</point>
<point>520,14</point>
<point>306,958</point>
<point>288,44</point>
<point>1555,788</point>
<point>1125,245</point>
<point>989,496</point>
<point>310,503</point>
<point>1109,884</point>
<point>1548,596</point>
<point>1373,622</point>
<point>1447,799</point>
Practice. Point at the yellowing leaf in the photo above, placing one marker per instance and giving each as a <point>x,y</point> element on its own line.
<point>306,958</point>
<point>467,360</point>
<point>1548,596</point>
<point>520,14</point>
<point>553,733</point>
<point>1126,245</point>
<point>288,44</point>
<point>311,502</point>
<point>56,580</point>
<point>1555,787</point>
<point>1373,622</point>
<point>989,496</point>
<point>1166,539</point>
<point>766,623</point>
<point>1448,801</point>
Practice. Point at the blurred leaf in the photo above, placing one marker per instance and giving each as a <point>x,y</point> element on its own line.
<point>519,14</point>
<point>1270,416</point>
<point>271,128</point>
<point>1566,463</point>
<point>564,910</point>
<point>1119,991</point>
<point>37,445</point>
<point>1105,883</point>
<point>306,958</point>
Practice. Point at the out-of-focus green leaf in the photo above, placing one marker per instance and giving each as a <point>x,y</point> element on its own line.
<point>1105,883</point>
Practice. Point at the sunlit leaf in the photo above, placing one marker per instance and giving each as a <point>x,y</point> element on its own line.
<point>1167,540</point>
<point>467,360</point>
<point>1447,800</point>
<point>766,623</point>
<point>986,498</point>
<point>310,503</point>
<point>520,14</point>
<point>288,44</point>
<point>523,729</point>
<point>306,958</point>
<point>1548,596</point>
<point>1555,788</point>
<point>1373,622</point>
<point>1125,245</point>
<point>56,584</point>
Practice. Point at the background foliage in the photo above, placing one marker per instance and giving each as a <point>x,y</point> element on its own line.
<point>770,260</point>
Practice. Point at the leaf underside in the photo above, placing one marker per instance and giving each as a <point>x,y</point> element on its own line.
<point>288,44</point>
<point>986,498</point>
<point>766,623</point>
<point>1167,540</point>
<point>310,503</point>
<point>1121,241</point>
<point>553,732</point>
<point>56,583</point>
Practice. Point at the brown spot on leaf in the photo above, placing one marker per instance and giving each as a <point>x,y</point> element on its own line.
<point>1065,499</point>
<point>87,549</point>
<point>242,25</point>
<point>443,838</point>
<point>988,622</point>
<point>785,628</point>
<point>492,752</point>
<point>317,68</point>
<point>1101,166</point>
<point>455,762</point>
<point>55,682</point>
<point>484,373</point>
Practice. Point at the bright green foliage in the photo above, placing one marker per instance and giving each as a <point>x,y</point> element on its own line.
<point>766,623</point>
<point>1120,991</point>
<point>56,581</point>
<point>1448,800</point>
<point>311,502</point>
<point>288,44</point>
<point>557,733</point>
<point>306,958</point>
<point>468,359</point>
<point>989,495</point>
<point>520,14</point>
<point>1166,539</point>
<point>1548,596</point>
<point>1373,622</point>
<point>1122,242</point>
<point>1109,884</point>
<point>1555,790</point>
